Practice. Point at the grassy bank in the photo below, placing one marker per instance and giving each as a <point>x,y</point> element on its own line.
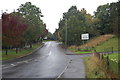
<point>83,52</point>
<point>96,68</point>
<point>109,45</point>
<point>12,53</point>
<point>92,71</point>
<point>76,51</point>
<point>94,41</point>
<point>102,43</point>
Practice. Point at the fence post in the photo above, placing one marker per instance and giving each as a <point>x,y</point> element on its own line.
<point>101,56</point>
<point>107,63</point>
<point>112,49</point>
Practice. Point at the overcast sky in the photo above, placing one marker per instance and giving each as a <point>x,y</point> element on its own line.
<point>54,9</point>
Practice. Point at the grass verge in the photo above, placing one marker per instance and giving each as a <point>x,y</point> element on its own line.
<point>83,52</point>
<point>47,40</point>
<point>92,71</point>
<point>96,68</point>
<point>12,54</point>
<point>110,45</point>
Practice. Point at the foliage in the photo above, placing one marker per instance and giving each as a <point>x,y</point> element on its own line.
<point>36,28</point>
<point>50,36</point>
<point>22,52</point>
<point>108,16</point>
<point>110,45</point>
<point>74,23</point>
<point>97,41</point>
<point>100,68</point>
<point>23,27</point>
<point>44,32</point>
<point>13,29</point>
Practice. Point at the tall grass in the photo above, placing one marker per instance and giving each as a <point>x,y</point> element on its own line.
<point>98,68</point>
<point>93,42</point>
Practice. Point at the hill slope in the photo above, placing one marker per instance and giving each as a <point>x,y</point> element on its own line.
<point>96,41</point>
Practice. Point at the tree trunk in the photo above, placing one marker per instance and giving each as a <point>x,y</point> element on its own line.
<point>16,50</point>
<point>6,50</point>
<point>30,45</point>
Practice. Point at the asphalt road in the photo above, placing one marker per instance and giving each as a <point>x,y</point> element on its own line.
<point>48,62</point>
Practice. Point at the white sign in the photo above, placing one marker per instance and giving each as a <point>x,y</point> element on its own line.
<point>45,38</point>
<point>85,36</point>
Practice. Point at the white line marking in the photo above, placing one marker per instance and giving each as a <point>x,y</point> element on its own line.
<point>49,53</point>
<point>63,70</point>
<point>13,64</point>
<point>25,61</point>
<point>20,62</point>
<point>5,67</point>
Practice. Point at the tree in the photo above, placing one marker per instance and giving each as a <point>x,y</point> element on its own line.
<point>108,18</point>
<point>50,36</point>
<point>13,28</point>
<point>103,14</point>
<point>32,14</point>
<point>115,17</point>
<point>76,22</point>
<point>104,21</point>
<point>44,33</point>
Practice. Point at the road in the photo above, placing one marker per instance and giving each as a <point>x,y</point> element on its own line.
<point>47,62</point>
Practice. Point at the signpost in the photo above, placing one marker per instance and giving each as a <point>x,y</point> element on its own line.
<point>85,37</point>
<point>45,38</point>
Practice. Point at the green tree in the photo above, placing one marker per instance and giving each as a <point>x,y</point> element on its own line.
<point>76,22</point>
<point>32,14</point>
<point>115,17</point>
<point>103,14</point>
<point>50,36</point>
<point>108,17</point>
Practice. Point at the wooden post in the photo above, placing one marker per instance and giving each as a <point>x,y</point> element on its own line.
<point>112,49</point>
<point>107,62</point>
<point>96,54</point>
<point>101,56</point>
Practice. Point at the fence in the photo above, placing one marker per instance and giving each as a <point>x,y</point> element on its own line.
<point>108,66</point>
<point>109,49</point>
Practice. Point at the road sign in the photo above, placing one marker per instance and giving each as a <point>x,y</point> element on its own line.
<point>85,36</point>
<point>45,38</point>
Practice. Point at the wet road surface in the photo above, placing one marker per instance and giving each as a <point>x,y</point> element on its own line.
<point>47,62</point>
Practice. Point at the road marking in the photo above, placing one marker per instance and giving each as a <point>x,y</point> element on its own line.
<point>36,60</point>
<point>49,53</point>
<point>25,61</point>
<point>13,64</point>
<point>5,67</point>
<point>63,70</point>
<point>20,62</point>
<point>9,66</point>
<point>48,44</point>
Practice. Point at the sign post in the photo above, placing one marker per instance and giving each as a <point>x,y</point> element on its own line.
<point>85,37</point>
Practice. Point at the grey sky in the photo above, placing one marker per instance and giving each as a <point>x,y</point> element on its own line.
<point>54,9</point>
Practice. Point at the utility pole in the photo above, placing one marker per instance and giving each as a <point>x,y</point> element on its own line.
<point>66,35</point>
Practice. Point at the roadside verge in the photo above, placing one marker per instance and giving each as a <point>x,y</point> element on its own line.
<point>21,56</point>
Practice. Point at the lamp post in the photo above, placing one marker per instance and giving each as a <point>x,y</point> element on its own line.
<point>66,36</point>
